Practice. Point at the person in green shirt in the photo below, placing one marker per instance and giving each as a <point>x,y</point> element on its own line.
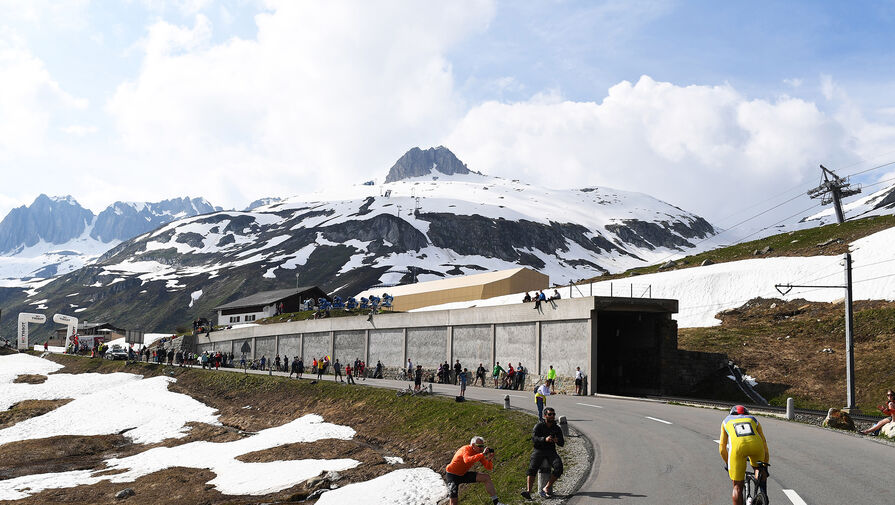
<point>495,374</point>
<point>551,379</point>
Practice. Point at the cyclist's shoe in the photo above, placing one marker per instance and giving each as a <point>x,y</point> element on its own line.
<point>543,493</point>
<point>526,495</point>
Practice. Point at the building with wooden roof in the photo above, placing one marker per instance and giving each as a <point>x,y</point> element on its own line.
<point>462,288</point>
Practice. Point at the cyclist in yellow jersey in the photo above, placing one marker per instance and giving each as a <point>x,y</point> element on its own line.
<point>747,440</point>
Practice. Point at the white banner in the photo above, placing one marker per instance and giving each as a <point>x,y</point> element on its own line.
<point>71,327</point>
<point>24,319</point>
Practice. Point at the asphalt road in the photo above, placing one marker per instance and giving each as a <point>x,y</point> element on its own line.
<point>649,452</point>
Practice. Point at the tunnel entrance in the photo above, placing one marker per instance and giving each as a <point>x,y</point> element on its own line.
<point>629,352</point>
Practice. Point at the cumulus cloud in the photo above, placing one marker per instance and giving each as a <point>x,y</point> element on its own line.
<point>703,148</point>
<point>344,88</point>
<point>29,99</point>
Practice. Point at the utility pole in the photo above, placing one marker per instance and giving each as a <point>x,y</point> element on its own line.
<point>832,190</point>
<point>849,340</point>
<point>784,289</point>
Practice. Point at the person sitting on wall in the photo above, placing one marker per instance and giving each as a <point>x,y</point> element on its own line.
<point>526,298</point>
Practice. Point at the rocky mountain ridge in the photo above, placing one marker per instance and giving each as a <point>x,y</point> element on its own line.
<point>426,225</point>
<point>55,235</point>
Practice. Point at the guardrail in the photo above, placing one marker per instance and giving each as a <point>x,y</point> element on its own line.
<point>771,408</point>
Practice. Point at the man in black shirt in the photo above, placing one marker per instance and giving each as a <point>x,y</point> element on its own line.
<point>545,437</point>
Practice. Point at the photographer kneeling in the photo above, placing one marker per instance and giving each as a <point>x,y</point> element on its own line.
<point>545,437</point>
<point>457,471</point>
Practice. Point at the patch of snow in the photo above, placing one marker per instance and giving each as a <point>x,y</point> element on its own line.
<point>419,486</point>
<point>195,295</point>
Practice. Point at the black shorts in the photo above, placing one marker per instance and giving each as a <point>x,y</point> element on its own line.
<point>538,457</point>
<point>577,382</point>
<point>454,481</point>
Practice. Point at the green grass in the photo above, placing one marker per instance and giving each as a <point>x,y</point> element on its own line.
<point>302,315</point>
<point>433,423</point>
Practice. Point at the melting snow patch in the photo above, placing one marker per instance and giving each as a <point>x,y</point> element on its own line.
<point>394,460</point>
<point>195,295</point>
<point>412,485</point>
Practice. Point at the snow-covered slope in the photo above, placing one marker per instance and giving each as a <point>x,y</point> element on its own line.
<point>702,292</point>
<point>426,225</point>
<point>438,225</point>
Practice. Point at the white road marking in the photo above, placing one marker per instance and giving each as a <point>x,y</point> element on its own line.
<point>518,396</point>
<point>794,497</point>
<point>589,405</point>
<point>717,441</point>
<point>659,420</point>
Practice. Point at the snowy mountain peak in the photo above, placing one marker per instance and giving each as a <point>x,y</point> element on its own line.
<point>51,220</point>
<point>417,162</point>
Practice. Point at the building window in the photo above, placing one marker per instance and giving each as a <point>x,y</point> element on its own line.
<point>234,319</point>
<point>250,318</point>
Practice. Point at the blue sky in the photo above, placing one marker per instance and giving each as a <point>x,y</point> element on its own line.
<point>707,105</point>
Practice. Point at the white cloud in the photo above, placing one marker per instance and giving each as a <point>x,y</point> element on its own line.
<point>185,7</point>
<point>707,149</point>
<point>79,130</point>
<point>344,88</point>
<point>29,99</point>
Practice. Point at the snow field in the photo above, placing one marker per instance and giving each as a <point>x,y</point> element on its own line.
<point>702,292</point>
<point>151,414</point>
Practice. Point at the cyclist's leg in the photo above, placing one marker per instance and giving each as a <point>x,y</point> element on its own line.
<point>736,470</point>
<point>737,494</point>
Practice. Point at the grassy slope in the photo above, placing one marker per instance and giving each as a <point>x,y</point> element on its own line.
<point>424,430</point>
<point>754,336</point>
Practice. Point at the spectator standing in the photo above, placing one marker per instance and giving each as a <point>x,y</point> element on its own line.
<point>276,363</point>
<point>578,380</point>
<point>551,379</point>
<point>511,377</point>
<point>263,361</point>
<point>337,371</point>
<point>348,374</point>
<point>410,370</point>
<point>545,437</point>
<point>418,378</point>
<point>495,373</point>
<point>301,366</point>
<point>520,377</point>
<point>480,374</point>
<point>457,370</point>
<point>320,366</point>
<point>378,373</point>
<point>541,395</point>
<point>294,369</point>
<point>314,367</point>
<point>458,470</point>
<point>461,379</point>
<point>286,364</point>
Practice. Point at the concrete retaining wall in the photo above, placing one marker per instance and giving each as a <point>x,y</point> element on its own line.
<point>387,346</point>
<point>472,345</point>
<point>316,345</point>
<point>563,335</point>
